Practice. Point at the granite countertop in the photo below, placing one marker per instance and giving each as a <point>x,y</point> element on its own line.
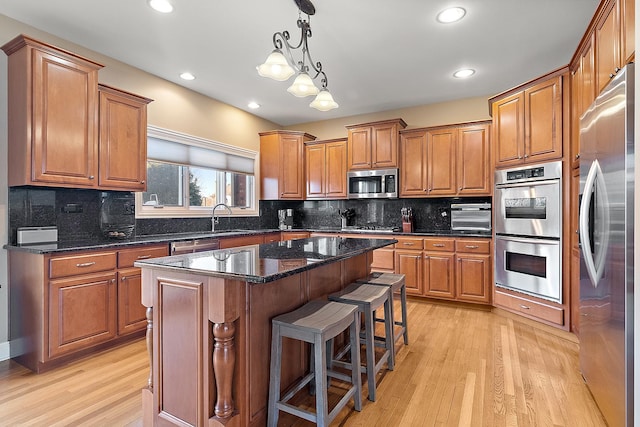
<point>269,261</point>
<point>104,243</point>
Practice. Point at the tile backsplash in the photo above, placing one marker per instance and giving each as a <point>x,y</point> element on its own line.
<point>77,213</point>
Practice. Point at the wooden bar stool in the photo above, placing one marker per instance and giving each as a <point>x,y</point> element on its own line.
<point>369,298</point>
<point>317,323</point>
<point>397,284</point>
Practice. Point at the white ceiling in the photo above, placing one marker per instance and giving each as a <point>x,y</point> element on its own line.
<point>378,54</point>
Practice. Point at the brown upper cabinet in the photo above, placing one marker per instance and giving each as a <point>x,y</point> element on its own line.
<point>614,36</point>
<point>527,122</point>
<point>53,116</point>
<point>374,145</point>
<point>606,47</point>
<point>282,164</point>
<point>122,140</point>
<point>445,161</point>
<point>58,120</point>
<point>326,169</point>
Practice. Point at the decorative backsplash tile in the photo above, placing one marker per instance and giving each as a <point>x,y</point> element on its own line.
<point>77,213</point>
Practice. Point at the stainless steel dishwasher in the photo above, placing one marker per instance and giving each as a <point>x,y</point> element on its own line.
<point>195,245</point>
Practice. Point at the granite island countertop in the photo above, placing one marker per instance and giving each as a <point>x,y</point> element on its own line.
<point>269,261</point>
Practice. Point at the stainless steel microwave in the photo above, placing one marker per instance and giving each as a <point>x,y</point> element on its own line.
<point>373,184</point>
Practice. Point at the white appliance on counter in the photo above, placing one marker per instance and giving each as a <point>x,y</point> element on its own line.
<point>606,228</point>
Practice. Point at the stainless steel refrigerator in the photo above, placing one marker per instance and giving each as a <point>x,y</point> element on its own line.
<point>606,239</point>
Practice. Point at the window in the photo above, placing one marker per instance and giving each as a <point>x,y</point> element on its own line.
<point>187,176</point>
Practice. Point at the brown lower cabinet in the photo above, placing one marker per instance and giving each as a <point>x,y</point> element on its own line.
<point>67,305</point>
<point>455,269</point>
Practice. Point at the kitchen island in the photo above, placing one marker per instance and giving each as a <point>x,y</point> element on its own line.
<point>209,323</point>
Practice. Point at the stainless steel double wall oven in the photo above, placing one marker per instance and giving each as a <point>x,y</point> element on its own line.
<point>528,225</point>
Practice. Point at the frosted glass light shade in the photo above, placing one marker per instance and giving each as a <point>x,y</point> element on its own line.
<point>276,67</point>
<point>303,86</point>
<point>324,101</point>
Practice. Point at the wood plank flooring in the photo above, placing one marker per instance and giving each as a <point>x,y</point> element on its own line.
<point>463,367</point>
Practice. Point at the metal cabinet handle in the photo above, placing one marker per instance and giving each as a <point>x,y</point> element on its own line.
<point>524,307</point>
<point>144,256</point>
<point>459,188</point>
<point>472,246</point>
<point>526,155</point>
<point>86,264</point>
<point>438,245</point>
<point>408,243</point>
<point>123,279</point>
<point>577,156</point>
<point>611,75</point>
<point>142,182</point>
<point>91,177</point>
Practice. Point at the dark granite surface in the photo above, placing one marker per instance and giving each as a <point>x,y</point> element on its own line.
<point>104,243</point>
<point>269,261</point>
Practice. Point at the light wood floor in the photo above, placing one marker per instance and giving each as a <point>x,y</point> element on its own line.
<point>463,367</point>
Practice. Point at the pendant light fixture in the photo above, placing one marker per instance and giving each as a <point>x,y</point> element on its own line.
<point>279,66</point>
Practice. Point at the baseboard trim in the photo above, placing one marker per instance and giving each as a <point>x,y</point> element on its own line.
<point>4,351</point>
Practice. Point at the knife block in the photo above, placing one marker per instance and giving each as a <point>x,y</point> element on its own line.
<point>407,226</point>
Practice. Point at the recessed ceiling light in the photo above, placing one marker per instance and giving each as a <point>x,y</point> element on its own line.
<point>253,105</point>
<point>464,73</point>
<point>187,76</point>
<point>162,6</point>
<point>452,14</point>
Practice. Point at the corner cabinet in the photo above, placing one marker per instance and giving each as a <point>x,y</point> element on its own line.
<point>527,123</point>
<point>123,140</point>
<point>53,116</point>
<point>67,131</point>
<point>374,145</point>
<point>326,169</point>
<point>282,165</point>
<point>446,161</point>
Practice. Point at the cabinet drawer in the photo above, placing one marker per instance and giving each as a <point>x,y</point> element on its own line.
<point>435,244</point>
<point>473,246</point>
<point>530,308</point>
<point>127,257</point>
<point>81,264</point>
<point>411,243</point>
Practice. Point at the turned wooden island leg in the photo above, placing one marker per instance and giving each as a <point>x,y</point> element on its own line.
<point>224,360</point>
<point>149,338</point>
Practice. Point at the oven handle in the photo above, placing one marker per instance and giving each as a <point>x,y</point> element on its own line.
<point>527,240</point>
<point>595,268</point>
<point>528,183</point>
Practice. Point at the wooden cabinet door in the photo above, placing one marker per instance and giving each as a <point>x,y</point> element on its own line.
<point>473,277</point>
<point>359,148</point>
<point>628,30</point>
<point>234,242</point>
<point>383,260</point>
<point>413,164</point>
<point>508,130</point>
<point>543,120</point>
<point>291,167</point>
<point>64,122</point>
<point>473,161</point>
<point>607,33</point>
<point>336,170</point>
<point>82,312</point>
<point>131,313</point>
<point>123,140</point>
<point>384,146</point>
<point>438,275</point>
<point>574,310</point>
<point>441,162</point>
<point>315,170</point>
<point>409,263</point>
<point>582,94</point>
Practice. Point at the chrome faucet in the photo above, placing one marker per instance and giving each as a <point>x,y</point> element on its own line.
<point>214,219</point>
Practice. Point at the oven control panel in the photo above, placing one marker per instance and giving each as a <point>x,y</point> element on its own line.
<point>526,173</point>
